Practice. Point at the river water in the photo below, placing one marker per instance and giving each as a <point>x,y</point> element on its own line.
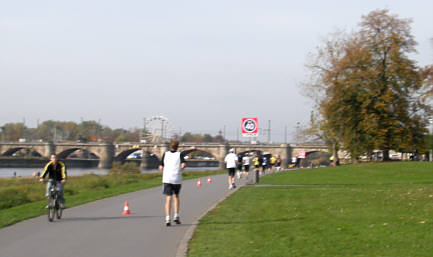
<point>28,172</point>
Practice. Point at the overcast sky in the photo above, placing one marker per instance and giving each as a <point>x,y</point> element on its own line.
<point>202,64</point>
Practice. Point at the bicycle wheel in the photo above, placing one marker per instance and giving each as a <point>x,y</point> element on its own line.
<point>59,210</point>
<point>51,209</point>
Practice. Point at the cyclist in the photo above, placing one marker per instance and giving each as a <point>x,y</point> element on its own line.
<point>55,170</point>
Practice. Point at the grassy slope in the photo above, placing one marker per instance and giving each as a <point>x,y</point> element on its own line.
<point>360,210</point>
<point>79,190</point>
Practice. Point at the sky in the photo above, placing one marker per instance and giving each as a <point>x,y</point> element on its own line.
<point>203,65</point>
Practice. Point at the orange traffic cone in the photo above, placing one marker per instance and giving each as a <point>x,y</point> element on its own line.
<point>126,209</point>
<point>209,180</point>
<point>198,183</point>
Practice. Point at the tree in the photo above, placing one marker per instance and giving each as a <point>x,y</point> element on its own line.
<point>57,130</point>
<point>366,87</point>
<point>427,90</point>
<point>198,138</point>
<point>13,131</point>
<point>398,115</point>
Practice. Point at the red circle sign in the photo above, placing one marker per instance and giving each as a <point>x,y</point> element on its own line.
<point>250,126</point>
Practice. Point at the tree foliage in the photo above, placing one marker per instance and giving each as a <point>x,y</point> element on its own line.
<point>86,131</point>
<point>367,88</point>
<point>199,138</point>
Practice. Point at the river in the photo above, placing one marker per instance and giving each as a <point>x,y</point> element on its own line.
<point>28,172</point>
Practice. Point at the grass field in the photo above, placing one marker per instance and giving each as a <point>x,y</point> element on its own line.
<point>370,209</point>
<point>23,198</point>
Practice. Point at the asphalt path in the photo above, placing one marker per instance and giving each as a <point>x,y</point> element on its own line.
<point>99,228</point>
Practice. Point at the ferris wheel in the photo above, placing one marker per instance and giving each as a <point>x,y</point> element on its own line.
<point>157,128</point>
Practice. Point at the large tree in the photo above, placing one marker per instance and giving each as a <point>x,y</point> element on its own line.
<point>368,87</point>
<point>13,131</point>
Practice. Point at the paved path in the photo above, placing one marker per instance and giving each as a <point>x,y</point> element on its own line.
<point>99,229</point>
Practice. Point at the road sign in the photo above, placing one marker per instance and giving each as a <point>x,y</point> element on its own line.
<point>250,127</point>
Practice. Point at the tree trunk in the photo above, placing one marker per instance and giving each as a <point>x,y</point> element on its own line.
<point>335,160</point>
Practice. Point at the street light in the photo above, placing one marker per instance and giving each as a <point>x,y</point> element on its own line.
<point>430,120</point>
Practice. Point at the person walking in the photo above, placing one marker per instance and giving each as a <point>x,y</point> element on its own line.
<point>172,164</point>
<point>231,160</point>
<point>55,170</point>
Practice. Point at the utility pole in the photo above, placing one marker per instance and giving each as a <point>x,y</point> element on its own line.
<point>143,132</point>
<point>99,128</point>
<point>162,129</point>
<point>24,128</point>
<point>298,131</point>
<point>269,131</point>
<point>37,129</point>
<point>285,134</point>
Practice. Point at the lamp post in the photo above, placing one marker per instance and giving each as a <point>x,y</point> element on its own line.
<point>430,120</point>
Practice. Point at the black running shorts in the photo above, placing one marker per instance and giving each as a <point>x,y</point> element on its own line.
<point>231,171</point>
<point>170,189</point>
<point>247,168</point>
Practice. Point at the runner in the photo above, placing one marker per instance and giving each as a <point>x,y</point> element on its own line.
<point>256,162</point>
<point>264,164</point>
<point>272,162</point>
<point>230,160</point>
<point>246,164</point>
<point>172,164</point>
<point>239,166</point>
<point>278,163</point>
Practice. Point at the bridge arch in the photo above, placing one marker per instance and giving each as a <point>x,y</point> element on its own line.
<point>121,157</point>
<point>12,151</point>
<point>192,150</point>
<point>65,153</point>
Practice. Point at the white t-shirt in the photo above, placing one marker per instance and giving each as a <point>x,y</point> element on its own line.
<point>246,160</point>
<point>172,172</point>
<point>230,160</point>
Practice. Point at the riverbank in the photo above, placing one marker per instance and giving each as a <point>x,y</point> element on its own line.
<point>23,198</point>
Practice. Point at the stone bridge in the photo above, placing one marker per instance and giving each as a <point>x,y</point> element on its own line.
<point>107,153</point>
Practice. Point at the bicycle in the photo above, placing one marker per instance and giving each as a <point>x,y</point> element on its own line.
<point>54,208</point>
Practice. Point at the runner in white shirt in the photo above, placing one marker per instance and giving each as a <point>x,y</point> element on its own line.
<point>246,163</point>
<point>230,160</point>
<point>172,164</point>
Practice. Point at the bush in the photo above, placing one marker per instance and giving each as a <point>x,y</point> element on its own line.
<point>125,169</point>
<point>12,197</point>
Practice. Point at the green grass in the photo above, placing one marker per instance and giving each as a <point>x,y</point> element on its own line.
<point>355,210</point>
<point>365,173</point>
<point>27,194</point>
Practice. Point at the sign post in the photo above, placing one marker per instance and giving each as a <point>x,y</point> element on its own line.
<point>250,128</point>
